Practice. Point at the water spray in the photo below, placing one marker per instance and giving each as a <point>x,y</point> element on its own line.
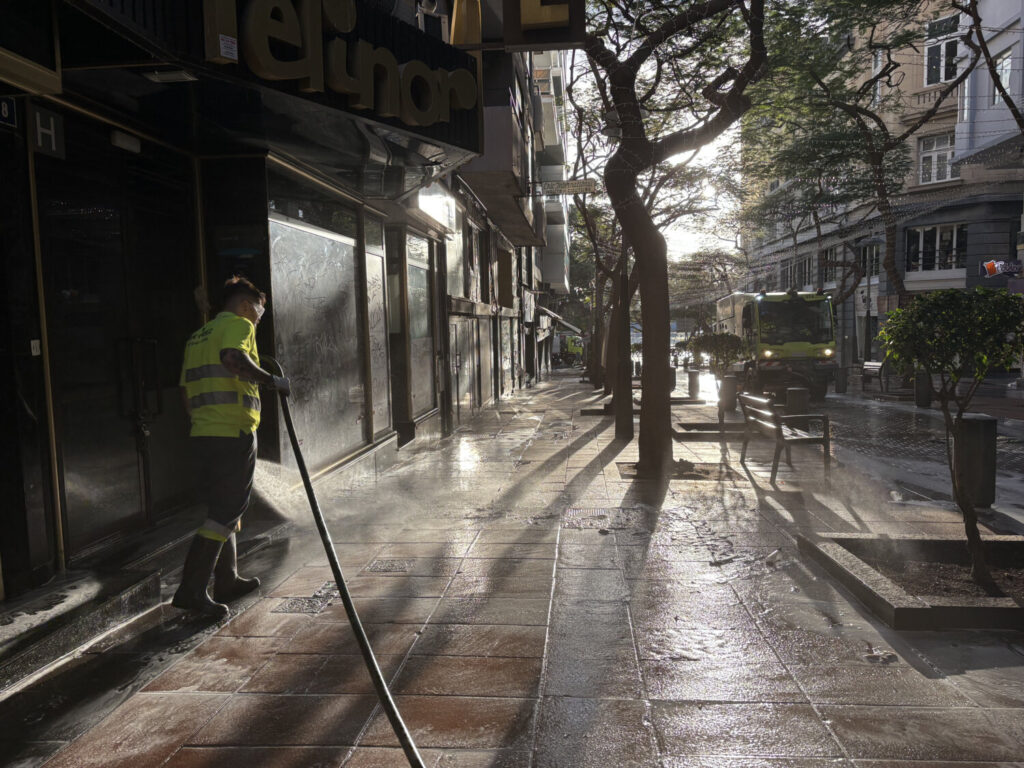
<point>387,703</point>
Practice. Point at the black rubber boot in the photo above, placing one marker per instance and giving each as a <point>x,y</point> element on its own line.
<point>227,584</point>
<point>195,575</point>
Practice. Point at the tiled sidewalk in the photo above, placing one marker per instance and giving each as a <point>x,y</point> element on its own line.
<point>536,608</point>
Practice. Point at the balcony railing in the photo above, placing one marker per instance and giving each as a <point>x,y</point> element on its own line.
<point>929,261</point>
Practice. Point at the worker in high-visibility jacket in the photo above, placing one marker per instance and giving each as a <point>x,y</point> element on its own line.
<point>220,381</point>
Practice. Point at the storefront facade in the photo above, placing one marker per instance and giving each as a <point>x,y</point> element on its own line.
<point>153,153</point>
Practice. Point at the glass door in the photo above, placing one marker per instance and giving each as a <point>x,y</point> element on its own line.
<point>119,269</point>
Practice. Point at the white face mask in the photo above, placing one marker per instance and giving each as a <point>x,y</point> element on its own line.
<point>260,309</point>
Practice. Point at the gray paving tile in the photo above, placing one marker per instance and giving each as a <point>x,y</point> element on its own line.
<point>469,676</point>
<point>460,722</point>
<point>491,610</point>
<point>921,733</point>
<point>142,732</point>
<point>756,730</point>
<point>264,757</point>
<point>481,640</point>
<point>886,684</point>
<point>592,733</point>
<point>680,680</point>
<point>256,719</point>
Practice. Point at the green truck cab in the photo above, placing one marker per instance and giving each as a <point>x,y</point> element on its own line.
<point>789,338</point>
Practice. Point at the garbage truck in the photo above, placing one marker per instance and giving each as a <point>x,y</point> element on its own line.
<point>789,339</point>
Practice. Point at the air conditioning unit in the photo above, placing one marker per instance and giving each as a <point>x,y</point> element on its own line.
<point>435,24</point>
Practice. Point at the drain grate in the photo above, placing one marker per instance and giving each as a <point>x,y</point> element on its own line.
<point>608,518</point>
<point>322,598</point>
<point>683,470</point>
<point>390,566</point>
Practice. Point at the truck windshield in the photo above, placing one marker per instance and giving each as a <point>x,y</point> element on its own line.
<point>806,321</point>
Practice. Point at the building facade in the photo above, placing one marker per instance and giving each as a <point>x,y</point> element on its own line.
<point>960,204</point>
<point>340,157</point>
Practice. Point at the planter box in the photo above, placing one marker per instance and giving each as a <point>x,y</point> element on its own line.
<point>841,555</point>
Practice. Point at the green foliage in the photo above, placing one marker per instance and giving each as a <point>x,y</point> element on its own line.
<point>827,54</point>
<point>722,349</point>
<point>956,334</point>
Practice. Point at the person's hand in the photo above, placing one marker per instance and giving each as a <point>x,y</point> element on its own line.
<point>282,385</point>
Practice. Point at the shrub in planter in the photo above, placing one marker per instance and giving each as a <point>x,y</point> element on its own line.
<point>953,336</point>
<point>722,349</point>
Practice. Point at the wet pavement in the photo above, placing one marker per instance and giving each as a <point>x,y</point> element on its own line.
<point>534,604</point>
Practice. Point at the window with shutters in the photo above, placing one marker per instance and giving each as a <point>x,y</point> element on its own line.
<point>935,158</point>
<point>940,50</point>
<point>1004,69</point>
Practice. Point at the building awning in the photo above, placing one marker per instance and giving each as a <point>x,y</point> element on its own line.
<point>1006,151</point>
<point>561,320</point>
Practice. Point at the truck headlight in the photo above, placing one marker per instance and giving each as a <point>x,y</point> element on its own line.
<point>767,353</point>
<point>827,352</point>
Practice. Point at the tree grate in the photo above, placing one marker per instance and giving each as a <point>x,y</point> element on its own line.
<point>604,518</point>
<point>320,599</point>
<point>390,566</point>
<point>682,470</point>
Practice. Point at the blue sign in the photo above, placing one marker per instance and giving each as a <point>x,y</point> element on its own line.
<point>8,111</point>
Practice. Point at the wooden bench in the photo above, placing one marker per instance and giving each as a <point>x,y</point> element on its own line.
<point>760,416</point>
<point>872,369</point>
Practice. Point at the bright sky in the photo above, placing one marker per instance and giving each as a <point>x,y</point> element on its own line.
<point>690,236</point>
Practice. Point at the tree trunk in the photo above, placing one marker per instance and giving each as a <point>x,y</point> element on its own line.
<point>611,357</point>
<point>651,254</point>
<point>889,222</point>
<point>597,368</point>
<point>980,572</point>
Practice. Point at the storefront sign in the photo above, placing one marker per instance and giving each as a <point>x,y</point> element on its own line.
<point>543,25</point>
<point>8,111</point>
<point>315,44</point>
<point>46,131</point>
<point>569,187</point>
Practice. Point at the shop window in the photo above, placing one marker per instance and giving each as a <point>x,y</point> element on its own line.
<point>941,50</point>
<point>936,248</point>
<point>316,306</point>
<point>455,258</point>
<point>374,229</point>
<point>421,325</point>
<point>935,158</point>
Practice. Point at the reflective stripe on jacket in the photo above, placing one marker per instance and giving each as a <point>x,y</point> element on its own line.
<point>222,405</point>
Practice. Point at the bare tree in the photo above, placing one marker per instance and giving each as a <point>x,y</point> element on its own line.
<point>688,65</point>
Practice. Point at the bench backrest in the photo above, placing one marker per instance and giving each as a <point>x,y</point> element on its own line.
<point>873,366</point>
<point>759,409</point>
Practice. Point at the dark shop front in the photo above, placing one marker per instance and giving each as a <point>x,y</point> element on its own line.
<point>152,149</point>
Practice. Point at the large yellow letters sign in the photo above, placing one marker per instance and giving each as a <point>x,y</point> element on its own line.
<point>369,76</point>
<point>537,14</point>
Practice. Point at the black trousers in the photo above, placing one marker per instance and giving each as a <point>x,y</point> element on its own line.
<point>225,466</point>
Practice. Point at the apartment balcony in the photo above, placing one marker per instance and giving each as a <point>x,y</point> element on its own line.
<point>551,133</point>
<point>498,177</point>
<point>554,259</point>
<point>501,169</point>
<point>540,219</point>
<point>935,270</point>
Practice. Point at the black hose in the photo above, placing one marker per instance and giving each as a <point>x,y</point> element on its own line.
<point>383,694</point>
